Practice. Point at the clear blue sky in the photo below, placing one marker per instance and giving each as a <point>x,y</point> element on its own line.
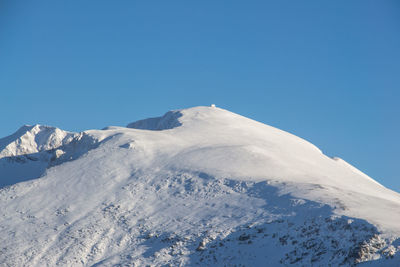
<point>327,71</point>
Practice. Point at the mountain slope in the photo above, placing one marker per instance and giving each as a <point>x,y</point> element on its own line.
<point>200,186</point>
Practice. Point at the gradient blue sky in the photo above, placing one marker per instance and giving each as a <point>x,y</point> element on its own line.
<point>327,71</point>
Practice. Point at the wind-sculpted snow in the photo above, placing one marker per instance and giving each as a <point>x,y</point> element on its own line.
<point>216,190</point>
<point>168,121</point>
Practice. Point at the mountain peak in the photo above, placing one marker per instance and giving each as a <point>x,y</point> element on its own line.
<point>196,186</point>
<point>30,139</point>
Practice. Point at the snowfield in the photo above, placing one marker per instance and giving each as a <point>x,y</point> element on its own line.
<point>197,187</point>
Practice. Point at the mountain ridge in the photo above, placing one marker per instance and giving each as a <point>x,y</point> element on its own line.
<point>171,190</point>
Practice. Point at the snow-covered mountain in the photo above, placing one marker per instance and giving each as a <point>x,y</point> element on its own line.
<point>196,187</point>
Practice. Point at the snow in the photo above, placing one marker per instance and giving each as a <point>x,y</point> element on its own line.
<point>198,186</point>
<point>168,121</point>
<point>26,154</point>
<point>32,139</point>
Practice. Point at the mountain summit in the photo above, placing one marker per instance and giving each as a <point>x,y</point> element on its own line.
<point>200,186</point>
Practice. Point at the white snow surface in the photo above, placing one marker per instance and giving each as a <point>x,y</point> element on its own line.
<point>33,139</point>
<point>200,186</point>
